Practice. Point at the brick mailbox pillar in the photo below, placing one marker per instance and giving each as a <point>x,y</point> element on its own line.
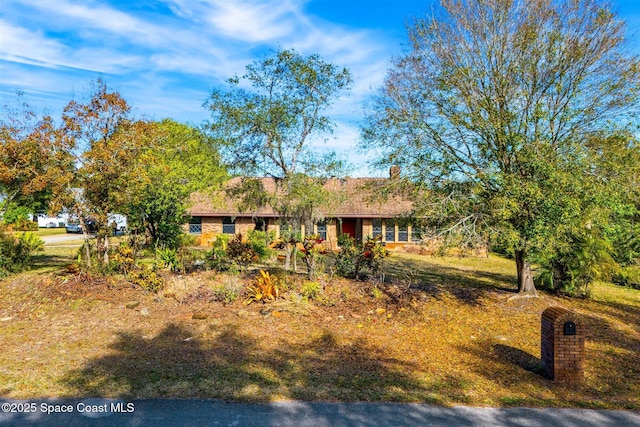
<point>562,345</point>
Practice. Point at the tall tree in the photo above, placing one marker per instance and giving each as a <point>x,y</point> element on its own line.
<point>107,143</point>
<point>492,106</point>
<point>32,157</point>
<point>183,160</point>
<point>269,129</point>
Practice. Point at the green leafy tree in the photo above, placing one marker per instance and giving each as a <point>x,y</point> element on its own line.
<point>492,110</point>
<point>619,166</point>
<point>183,160</point>
<point>269,130</point>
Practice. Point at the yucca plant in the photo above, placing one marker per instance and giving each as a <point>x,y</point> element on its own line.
<point>264,289</point>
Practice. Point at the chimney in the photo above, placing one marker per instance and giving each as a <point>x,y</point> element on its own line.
<point>394,172</point>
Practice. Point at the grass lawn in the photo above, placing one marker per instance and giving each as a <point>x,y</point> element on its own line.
<point>49,231</point>
<point>439,330</point>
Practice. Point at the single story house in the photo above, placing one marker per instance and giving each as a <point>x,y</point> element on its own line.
<point>355,213</point>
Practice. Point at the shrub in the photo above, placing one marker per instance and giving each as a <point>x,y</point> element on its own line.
<point>216,258</point>
<point>371,257</point>
<point>16,251</point>
<point>229,291</point>
<point>354,261</point>
<point>168,258</point>
<point>311,290</point>
<point>147,279</point>
<point>187,240</point>
<point>571,272</point>
<point>25,225</point>
<point>313,253</point>
<point>259,241</point>
<point>241,252</point>
<point>264,289</point>
<point>346,259</point>
<point>17,214</point>
<point>30,242</point>
<point>628,276</point>
<point>124,259</point>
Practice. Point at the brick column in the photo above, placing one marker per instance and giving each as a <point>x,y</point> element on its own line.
<point>562,339</point>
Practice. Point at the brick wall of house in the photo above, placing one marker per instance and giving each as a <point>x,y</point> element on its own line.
<point>211,226</point>
<point>332,234</point>
<point>562,356</point>
<point>243,225</point>
<point>367,228</point>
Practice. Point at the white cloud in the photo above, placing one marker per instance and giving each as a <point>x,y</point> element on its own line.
<point>166,64</point>
<point>98,19</point>
<point>253,22</point>
<point>22,45</point>
<point>243,20</point>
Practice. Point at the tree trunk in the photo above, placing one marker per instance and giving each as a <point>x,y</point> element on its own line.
<point>287,257</point>
<point>105,260</point>
<point>310,261</point>
<point>525,277</point>
<point>87,248</point>
<point>294,257</point>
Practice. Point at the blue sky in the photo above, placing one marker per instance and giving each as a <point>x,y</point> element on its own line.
<point>165,56</point>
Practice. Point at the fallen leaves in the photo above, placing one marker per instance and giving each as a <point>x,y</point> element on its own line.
<point>450,346</point>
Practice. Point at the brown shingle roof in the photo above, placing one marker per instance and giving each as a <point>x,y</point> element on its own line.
<point>357,199</point>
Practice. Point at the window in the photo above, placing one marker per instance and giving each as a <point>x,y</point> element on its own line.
<point>195,225</point>
<point>228,225</point>
<point>390,232</point>
<point>416,233</point>
<point>322,229</point>
<point>377,227</point>
<point>403,233</point>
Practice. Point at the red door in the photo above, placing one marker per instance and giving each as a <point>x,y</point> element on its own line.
<point>349,227</point>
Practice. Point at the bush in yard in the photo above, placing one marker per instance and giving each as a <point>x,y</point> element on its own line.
<point>16,251</point>
<point>25,225</point>
<point>186,240</point>
<point>18,217</point>
<point>241,252</point>
<point>168,258</point>
<point>628,276</point>
<point>123,260</point>
<point>147,279</point>
<point>354,261</point>
<point>570,272</point>
<point>229,291</point>
<point>216,258</point>
<point>371,257</point>
<point>310,290</point>
<point>313,253</point>
<point>259,241</point>
<point>346,259</point>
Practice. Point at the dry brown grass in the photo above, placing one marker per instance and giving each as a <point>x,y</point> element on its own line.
<point>439,330</point>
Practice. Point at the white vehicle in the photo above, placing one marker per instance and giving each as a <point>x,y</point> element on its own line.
<point>45,221</point>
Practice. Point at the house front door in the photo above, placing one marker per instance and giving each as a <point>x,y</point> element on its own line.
<point>349,227</point>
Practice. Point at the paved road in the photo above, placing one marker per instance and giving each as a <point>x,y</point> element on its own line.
<point>60,238</point>
<point>104,412</point>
